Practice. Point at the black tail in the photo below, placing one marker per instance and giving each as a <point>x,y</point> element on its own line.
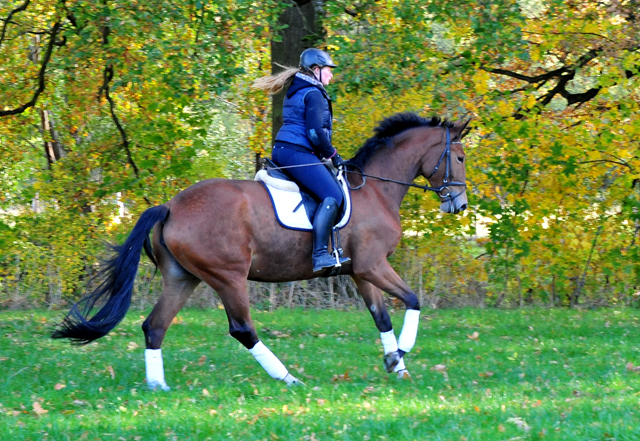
<point>116,287</point>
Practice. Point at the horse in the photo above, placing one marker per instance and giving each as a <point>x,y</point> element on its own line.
<point>224,232</point>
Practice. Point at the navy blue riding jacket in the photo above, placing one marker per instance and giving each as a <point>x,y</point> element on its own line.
<point>307,117</point>
<point>305,138</point>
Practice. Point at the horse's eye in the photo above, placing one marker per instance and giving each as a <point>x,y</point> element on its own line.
<point>460,159</point>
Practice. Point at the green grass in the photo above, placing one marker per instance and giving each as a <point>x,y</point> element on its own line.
<point>532,374</point>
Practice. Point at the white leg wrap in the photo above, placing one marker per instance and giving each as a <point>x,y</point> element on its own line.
<point>409,330</point>
<point>155,369</point>
<point>389,342</point>
<point>400,366</point>
<point>269,361</point>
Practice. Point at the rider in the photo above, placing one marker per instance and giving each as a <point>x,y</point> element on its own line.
<point>305,138</point>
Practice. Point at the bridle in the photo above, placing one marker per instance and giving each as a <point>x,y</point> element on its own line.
<point>443,191</point>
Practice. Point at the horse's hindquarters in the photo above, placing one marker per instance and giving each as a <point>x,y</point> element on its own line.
<point>223,227</point>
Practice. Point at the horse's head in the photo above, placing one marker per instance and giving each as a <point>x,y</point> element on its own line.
<point>444,168</point>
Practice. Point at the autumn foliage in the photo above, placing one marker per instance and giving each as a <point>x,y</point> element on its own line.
<point>107,108</point>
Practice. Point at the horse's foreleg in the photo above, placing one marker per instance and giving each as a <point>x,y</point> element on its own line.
<point>372,296</point>
<point>385,278</point>
<point>174,294</point>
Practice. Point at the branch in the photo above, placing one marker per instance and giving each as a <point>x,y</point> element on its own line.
<point>569,33</point>
<point>8,19</point>
<point>41,82</point>
<point>350,12</point>
<point>580,283</point>
<point>604,161</point>
<point>538,78</point>
<point>108,76</point>
<point>571,71</point>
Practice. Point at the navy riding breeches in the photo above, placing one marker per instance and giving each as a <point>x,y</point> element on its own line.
<point>315,179</point>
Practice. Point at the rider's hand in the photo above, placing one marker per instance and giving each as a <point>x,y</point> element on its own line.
<point>337,160</point>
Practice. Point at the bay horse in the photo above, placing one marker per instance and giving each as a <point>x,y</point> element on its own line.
<point>224,232</point>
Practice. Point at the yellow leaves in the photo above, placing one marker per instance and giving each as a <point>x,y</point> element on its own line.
<point>531,102</point>
<point>594,155</point>
<point>505,108</point>
<point>480,80</point>
<point>59,386</point>
<point>534,53</point>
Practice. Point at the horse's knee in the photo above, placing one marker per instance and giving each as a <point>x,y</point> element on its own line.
<point>152,337</point>
<point>244,333</point>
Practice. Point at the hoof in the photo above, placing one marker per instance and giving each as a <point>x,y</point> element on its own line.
<point>293,381</point>
<point>391,360</point>
<point>403,374</point>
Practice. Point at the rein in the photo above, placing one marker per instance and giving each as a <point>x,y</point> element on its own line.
<point>439,190</point>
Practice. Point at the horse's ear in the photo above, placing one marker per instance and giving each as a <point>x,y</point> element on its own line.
<point>461,127</point>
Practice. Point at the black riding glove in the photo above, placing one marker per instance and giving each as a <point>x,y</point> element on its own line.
<point>337,160</point>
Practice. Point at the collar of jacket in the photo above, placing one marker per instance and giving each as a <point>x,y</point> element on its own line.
<point>306,81</point>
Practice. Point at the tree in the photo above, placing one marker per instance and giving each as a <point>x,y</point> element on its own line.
<point>142,98</point>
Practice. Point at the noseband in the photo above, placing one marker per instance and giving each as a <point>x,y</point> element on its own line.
<point>442,191</point>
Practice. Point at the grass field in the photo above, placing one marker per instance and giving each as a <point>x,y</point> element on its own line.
<point>527,374</point>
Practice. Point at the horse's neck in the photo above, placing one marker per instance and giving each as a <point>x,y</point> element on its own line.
<point>398,163</point>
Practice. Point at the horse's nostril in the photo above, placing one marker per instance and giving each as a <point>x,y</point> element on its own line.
<point>463,207</point>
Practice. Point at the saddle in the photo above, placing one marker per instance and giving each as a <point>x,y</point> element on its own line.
<point>288,199</point>
<point>309,203</point>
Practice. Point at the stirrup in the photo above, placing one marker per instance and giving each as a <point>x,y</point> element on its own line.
<point>336,254</point>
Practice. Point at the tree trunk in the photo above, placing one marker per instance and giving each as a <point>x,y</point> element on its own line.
<point>272,297</point>
<point>302,31</point>
<point>53,149</point>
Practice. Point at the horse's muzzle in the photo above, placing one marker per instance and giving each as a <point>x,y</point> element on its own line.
<point>455,204</point>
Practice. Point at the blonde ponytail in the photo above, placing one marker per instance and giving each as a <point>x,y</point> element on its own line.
<point>275,83</point>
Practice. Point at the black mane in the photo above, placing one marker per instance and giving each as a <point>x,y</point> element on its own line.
<point>390,127</point>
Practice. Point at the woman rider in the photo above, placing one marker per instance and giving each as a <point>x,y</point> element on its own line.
<point>305,138</point>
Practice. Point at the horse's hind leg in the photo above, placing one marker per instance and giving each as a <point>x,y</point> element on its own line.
<point>178,286</point>
<point>232,289</point>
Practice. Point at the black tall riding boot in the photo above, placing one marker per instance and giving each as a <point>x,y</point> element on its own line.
<point>322,225</point>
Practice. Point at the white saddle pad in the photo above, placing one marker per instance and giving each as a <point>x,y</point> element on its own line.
<point>286,197</point>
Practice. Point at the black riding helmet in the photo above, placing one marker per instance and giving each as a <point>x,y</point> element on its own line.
<point>315,57</point>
